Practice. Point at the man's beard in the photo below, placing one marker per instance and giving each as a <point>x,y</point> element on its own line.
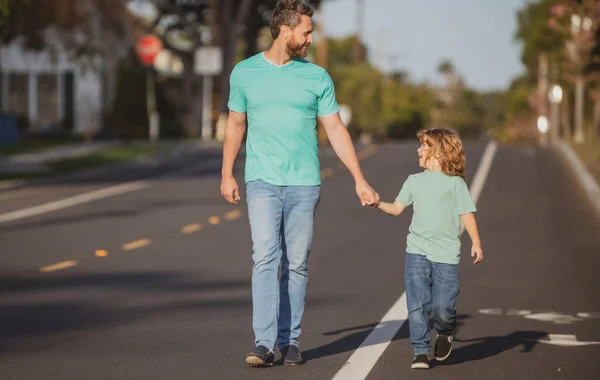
<point>295,50</point>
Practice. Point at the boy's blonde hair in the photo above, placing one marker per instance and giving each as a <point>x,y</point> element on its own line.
<point>446,146</point>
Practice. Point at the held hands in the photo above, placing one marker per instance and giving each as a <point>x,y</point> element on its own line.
<point>478,252</point>
<point>366,194</point>
<point>230,190</point>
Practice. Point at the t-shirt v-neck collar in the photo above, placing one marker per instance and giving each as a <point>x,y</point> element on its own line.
<point>275,65</point>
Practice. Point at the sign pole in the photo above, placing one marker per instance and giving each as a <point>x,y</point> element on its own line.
<point>154,127</point>
<point>147,49</point>
<point>207,107</point>
<point>208,63</point>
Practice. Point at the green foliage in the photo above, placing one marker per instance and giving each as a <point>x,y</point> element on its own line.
<point>407,108</point>
<point>535,34</point>
<point>128,117</point>
<point>361,88</point>
<point>516,98</point>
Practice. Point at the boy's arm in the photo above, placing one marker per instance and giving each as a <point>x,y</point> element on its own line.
<point>393,209</point>
<point>471,227</point>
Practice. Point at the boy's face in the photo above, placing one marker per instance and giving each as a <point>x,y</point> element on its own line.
<point>426,159</point>
<point>423,152</point>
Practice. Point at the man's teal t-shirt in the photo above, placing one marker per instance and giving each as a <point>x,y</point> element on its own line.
<point>281,105</point>
<point>438,201</point>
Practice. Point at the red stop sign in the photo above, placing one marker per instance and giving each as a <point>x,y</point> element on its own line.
<point>148,48</point>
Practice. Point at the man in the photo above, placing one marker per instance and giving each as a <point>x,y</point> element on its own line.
<point>281,95</point>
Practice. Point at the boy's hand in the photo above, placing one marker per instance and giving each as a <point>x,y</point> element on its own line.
<point>477,251</point>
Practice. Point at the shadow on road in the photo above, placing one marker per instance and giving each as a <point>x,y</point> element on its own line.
<point>43,311</point>
<point>481,349</point>
<point>36,308</point>
<point>352,341</point>
<point>493,345</point>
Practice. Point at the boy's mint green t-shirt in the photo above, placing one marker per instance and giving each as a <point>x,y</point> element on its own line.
<point>438,201</point>
<point>281,105</point>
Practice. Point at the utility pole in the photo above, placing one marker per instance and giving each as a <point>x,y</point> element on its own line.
<point>360,12</point>
<point>543,93</point>
<point>322,45</point>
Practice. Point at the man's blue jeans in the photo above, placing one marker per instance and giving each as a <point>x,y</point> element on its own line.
<point>429,286</point>
<point>281,223</point>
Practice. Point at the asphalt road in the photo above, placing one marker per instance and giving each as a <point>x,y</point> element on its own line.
<point>154,282</point>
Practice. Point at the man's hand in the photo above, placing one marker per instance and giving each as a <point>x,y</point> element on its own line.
<point>229,190</point>
<point>366,194</point>
<point>478,252</point>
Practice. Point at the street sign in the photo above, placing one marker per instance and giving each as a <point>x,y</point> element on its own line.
<point>147,48</point>
<point>208,60</point>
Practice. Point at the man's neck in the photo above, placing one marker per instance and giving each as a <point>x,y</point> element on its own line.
<point>277,55</point>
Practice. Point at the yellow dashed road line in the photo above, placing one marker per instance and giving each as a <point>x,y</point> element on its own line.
<point>59,266</point>
<point>191,228</point>
<point>233,214</point>
<point>214,220</point>
<point>101,253</point>
<point>136,244</point>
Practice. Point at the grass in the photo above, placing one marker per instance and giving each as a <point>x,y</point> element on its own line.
<point>30,146</point>
<point>589,153</point>
<point>88,161</point>
<point>109,156</point>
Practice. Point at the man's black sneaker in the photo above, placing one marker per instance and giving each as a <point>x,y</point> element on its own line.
<point>260,357</point>
<point>420,362</point>
<point>443,347</point>
<point>291,355</point>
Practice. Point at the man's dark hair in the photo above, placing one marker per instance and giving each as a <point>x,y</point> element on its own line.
<point>288,12</point>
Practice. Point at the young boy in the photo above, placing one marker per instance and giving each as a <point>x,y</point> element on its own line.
<point>440,200</point>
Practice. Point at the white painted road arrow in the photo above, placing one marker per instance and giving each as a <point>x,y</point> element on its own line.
<point>563,340</point>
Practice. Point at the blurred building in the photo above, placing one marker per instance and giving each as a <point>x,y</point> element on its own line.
<point>48,90</point>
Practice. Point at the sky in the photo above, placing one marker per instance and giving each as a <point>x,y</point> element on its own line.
<point>477,36</point>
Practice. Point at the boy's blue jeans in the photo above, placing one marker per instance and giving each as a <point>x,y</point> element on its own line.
<point>429,287</point>
<point>281,223</point>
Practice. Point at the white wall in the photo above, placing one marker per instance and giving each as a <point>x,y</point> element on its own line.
<point>88,83</point>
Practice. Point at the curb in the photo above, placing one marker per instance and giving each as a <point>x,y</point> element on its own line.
<point>584,177</point>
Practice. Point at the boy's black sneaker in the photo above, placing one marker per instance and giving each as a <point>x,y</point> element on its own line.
<point>443,347</point>
<point>420,362</point>
<point>260,357</point>
<point>291,355</point>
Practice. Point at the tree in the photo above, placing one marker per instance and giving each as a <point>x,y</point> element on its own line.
<point>536,34</point>
<point>577,22</point>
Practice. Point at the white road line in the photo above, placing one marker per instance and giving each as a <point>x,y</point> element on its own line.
<point>72,201</point>
<point>366,356</point>
<point>89,197</point>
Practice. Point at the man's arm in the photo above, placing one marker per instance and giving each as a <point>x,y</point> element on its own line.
<point>234,135</point>
<point>342,145</point>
